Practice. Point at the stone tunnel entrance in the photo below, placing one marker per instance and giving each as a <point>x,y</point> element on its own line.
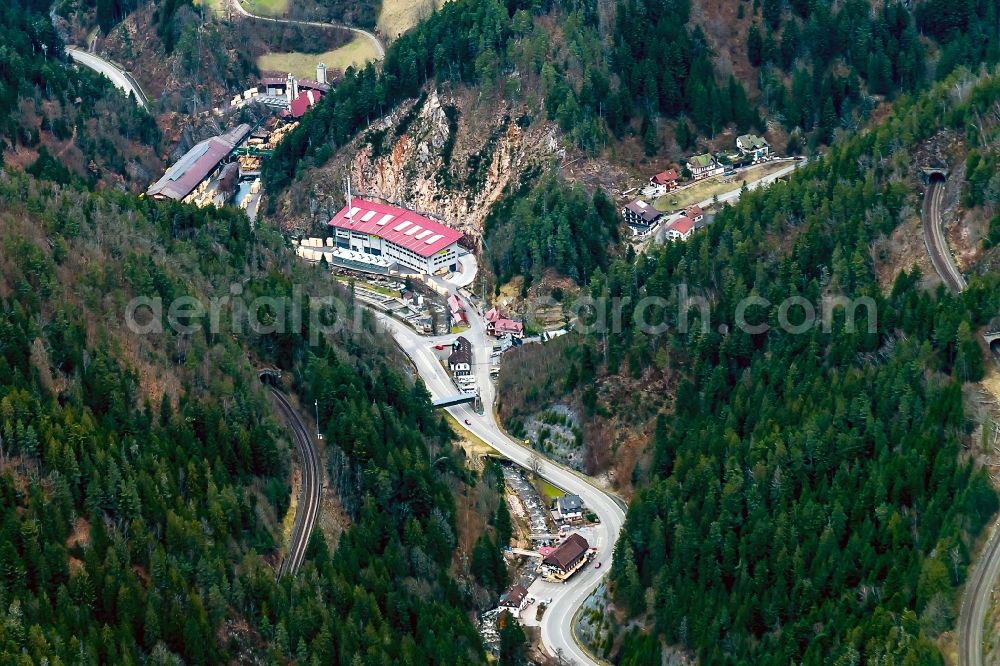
<point>269,376</point>
<point>934,175</point>
<point>992,337</point>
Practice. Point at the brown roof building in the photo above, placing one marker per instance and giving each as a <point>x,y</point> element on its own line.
<point>640,214</point>
<point>568,555</point>
<point>666,178</point>
<point>515,599</point>
<point>197,165</point>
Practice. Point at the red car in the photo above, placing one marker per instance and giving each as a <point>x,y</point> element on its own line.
<point>439,347</point>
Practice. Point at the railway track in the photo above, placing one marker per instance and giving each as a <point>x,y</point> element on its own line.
<point>309,494</point>
<point>976,596</point>
<point>937,245</point>
<point>975,603</point>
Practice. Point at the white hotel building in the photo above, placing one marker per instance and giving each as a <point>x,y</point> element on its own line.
<point>396,234</point>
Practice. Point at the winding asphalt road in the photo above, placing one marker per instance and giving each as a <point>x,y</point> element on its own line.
<point>976,597</point>
<point>557,623</point>
<point>118,76</point>
<point>937,245</point>
<point>309,494</point>
<point>379,48</point>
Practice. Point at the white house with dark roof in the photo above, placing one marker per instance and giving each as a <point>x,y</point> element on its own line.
<point>569,507</point>
<point>514,600</point>
<point>640,215</point>
<point>460,359</point>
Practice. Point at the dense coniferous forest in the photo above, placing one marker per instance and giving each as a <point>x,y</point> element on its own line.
<point>839,56</point>
<point>550,224</point>
<point>144,480</point>
<point>806,500</point>
<point>667,69</point>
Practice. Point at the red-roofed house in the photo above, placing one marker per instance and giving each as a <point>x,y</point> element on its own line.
<point>695,213</point>
<point>457,309</point>
<point>508,327</point>
<point>666,179</point>
<point>498,325</point>
<point>302,103</point>
<point>680,229</point>
<point>397,234</point>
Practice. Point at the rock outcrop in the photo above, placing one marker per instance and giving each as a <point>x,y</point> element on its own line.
<point>440,155</point>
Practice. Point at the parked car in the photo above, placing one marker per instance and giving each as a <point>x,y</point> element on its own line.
<point>468,422</point>
<point>597,566</point>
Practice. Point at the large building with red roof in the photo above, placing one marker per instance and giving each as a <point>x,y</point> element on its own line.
<point>411,240</point>
<point>302,103</point>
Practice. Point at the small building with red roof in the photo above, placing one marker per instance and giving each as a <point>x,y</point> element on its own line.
<point>497,325</point>
<point>457,309</point>
<point>695,213</point>
<point>666,179</point>
<point>411,240</point>
<point>680,229</point>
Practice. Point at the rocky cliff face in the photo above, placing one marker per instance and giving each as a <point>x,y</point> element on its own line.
<point>442,155</point>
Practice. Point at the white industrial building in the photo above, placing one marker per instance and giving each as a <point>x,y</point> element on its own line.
<point>390,233</point>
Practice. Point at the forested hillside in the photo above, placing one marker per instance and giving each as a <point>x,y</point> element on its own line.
<point>550,224</point>
<point>840,56</point>
<point>807,496</point>
<point>144,480</point>
<point>69,125</point>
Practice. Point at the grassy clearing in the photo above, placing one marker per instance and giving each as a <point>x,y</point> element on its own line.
<point>217,7</point>
<point>356,52</point>
<point>266,7</point>
<point>713,186</point>
<point>398,16</point>
<point>288,522</point>
<point>547,490</point>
